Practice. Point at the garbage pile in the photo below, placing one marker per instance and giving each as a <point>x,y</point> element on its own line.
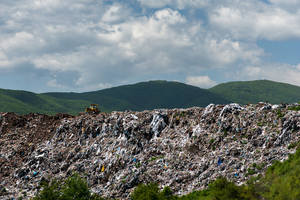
<point>184,149</point>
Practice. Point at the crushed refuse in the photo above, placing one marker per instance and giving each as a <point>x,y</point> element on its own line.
<point>184,149</point>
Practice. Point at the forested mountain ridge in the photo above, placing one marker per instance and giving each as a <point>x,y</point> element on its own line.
<point>244,92</point>
<point>148,96</point>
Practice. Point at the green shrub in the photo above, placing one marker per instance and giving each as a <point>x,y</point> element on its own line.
<point>3,190</point>
<point>295,108</point>
<point>138,165</point>
<point>280,114</point>
<point>73,188</point>
<point>250,172</point>
<point>282,179</point>
<point>293,145</point>
<point>166,193</point>
<point>151,192</point>
<point>50,191</point>
<point>223,189</point>
<point>146,192</point>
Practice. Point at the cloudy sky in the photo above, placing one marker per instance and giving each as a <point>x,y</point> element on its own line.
<point>87,45</point>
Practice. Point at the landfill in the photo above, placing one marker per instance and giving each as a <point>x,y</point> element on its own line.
<point>185,149</point>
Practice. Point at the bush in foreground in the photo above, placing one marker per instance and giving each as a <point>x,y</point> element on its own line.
<point>151,192</point>
<point>73,188</point>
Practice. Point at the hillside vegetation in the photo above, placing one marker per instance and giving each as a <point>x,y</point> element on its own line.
<point>23,102</point>
<point>148,96</point>
<point>257,91</point>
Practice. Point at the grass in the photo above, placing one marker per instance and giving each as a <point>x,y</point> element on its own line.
<point>148,96</point>
<point>293,145</point>
<point>155,158</point>
<point>295,108</point>
<point>23,102</point>
<point>280,114</point>
<point>244,92</point>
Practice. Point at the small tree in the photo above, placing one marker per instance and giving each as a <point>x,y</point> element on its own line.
<point>146,192</point>
<point>50,191</point>
<point>223,189</point>
<point>166,193</point>
<point>150,191</point>
<point>73,188</point>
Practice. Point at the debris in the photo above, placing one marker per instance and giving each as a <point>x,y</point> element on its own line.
<point>184,149</point>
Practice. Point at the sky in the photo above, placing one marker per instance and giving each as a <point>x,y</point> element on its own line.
<point>89,45</point>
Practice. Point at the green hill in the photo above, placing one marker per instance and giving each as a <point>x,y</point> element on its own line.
<point>147,96</point>
<point>258,91</point>
<point>23,102</point>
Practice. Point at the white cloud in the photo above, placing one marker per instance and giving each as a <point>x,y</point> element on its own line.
<point>178,4</point>
<point>182,4</point>
<point>115,14</point>
<point>110,50</point>
<point>155,3</point>
<point>271,71</point>
<point>168,16</point>
<point>200,81</point>
<point>3,56</point>
<point>292,5</point>
<point>88,44</point>
<point>256,20</point>
<point>53,83</point>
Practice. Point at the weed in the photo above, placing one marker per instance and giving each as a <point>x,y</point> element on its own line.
<point>211,141</point>
<point>280,114</point>
<point>138,165</point>
<point>295,108</point>
<point>4,190</point>
<point>293,145</point>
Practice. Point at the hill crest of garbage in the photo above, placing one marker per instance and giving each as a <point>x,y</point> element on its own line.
<point>184,149</point>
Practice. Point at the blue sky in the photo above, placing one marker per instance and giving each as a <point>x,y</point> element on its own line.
<point>87,45</point>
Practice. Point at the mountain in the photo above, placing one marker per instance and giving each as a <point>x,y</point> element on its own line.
<point>147,96</point>
<point>23,102</point>
<point>244,92</point>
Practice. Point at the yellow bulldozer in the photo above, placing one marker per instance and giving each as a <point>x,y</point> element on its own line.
<point>93,109</point>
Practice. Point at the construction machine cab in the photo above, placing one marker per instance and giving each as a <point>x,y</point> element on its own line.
<point>94,108</point>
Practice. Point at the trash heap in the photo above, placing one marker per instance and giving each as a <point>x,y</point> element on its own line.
<point>184,149</point>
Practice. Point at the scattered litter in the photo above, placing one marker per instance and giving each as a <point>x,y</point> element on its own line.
<point>184,149</point>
